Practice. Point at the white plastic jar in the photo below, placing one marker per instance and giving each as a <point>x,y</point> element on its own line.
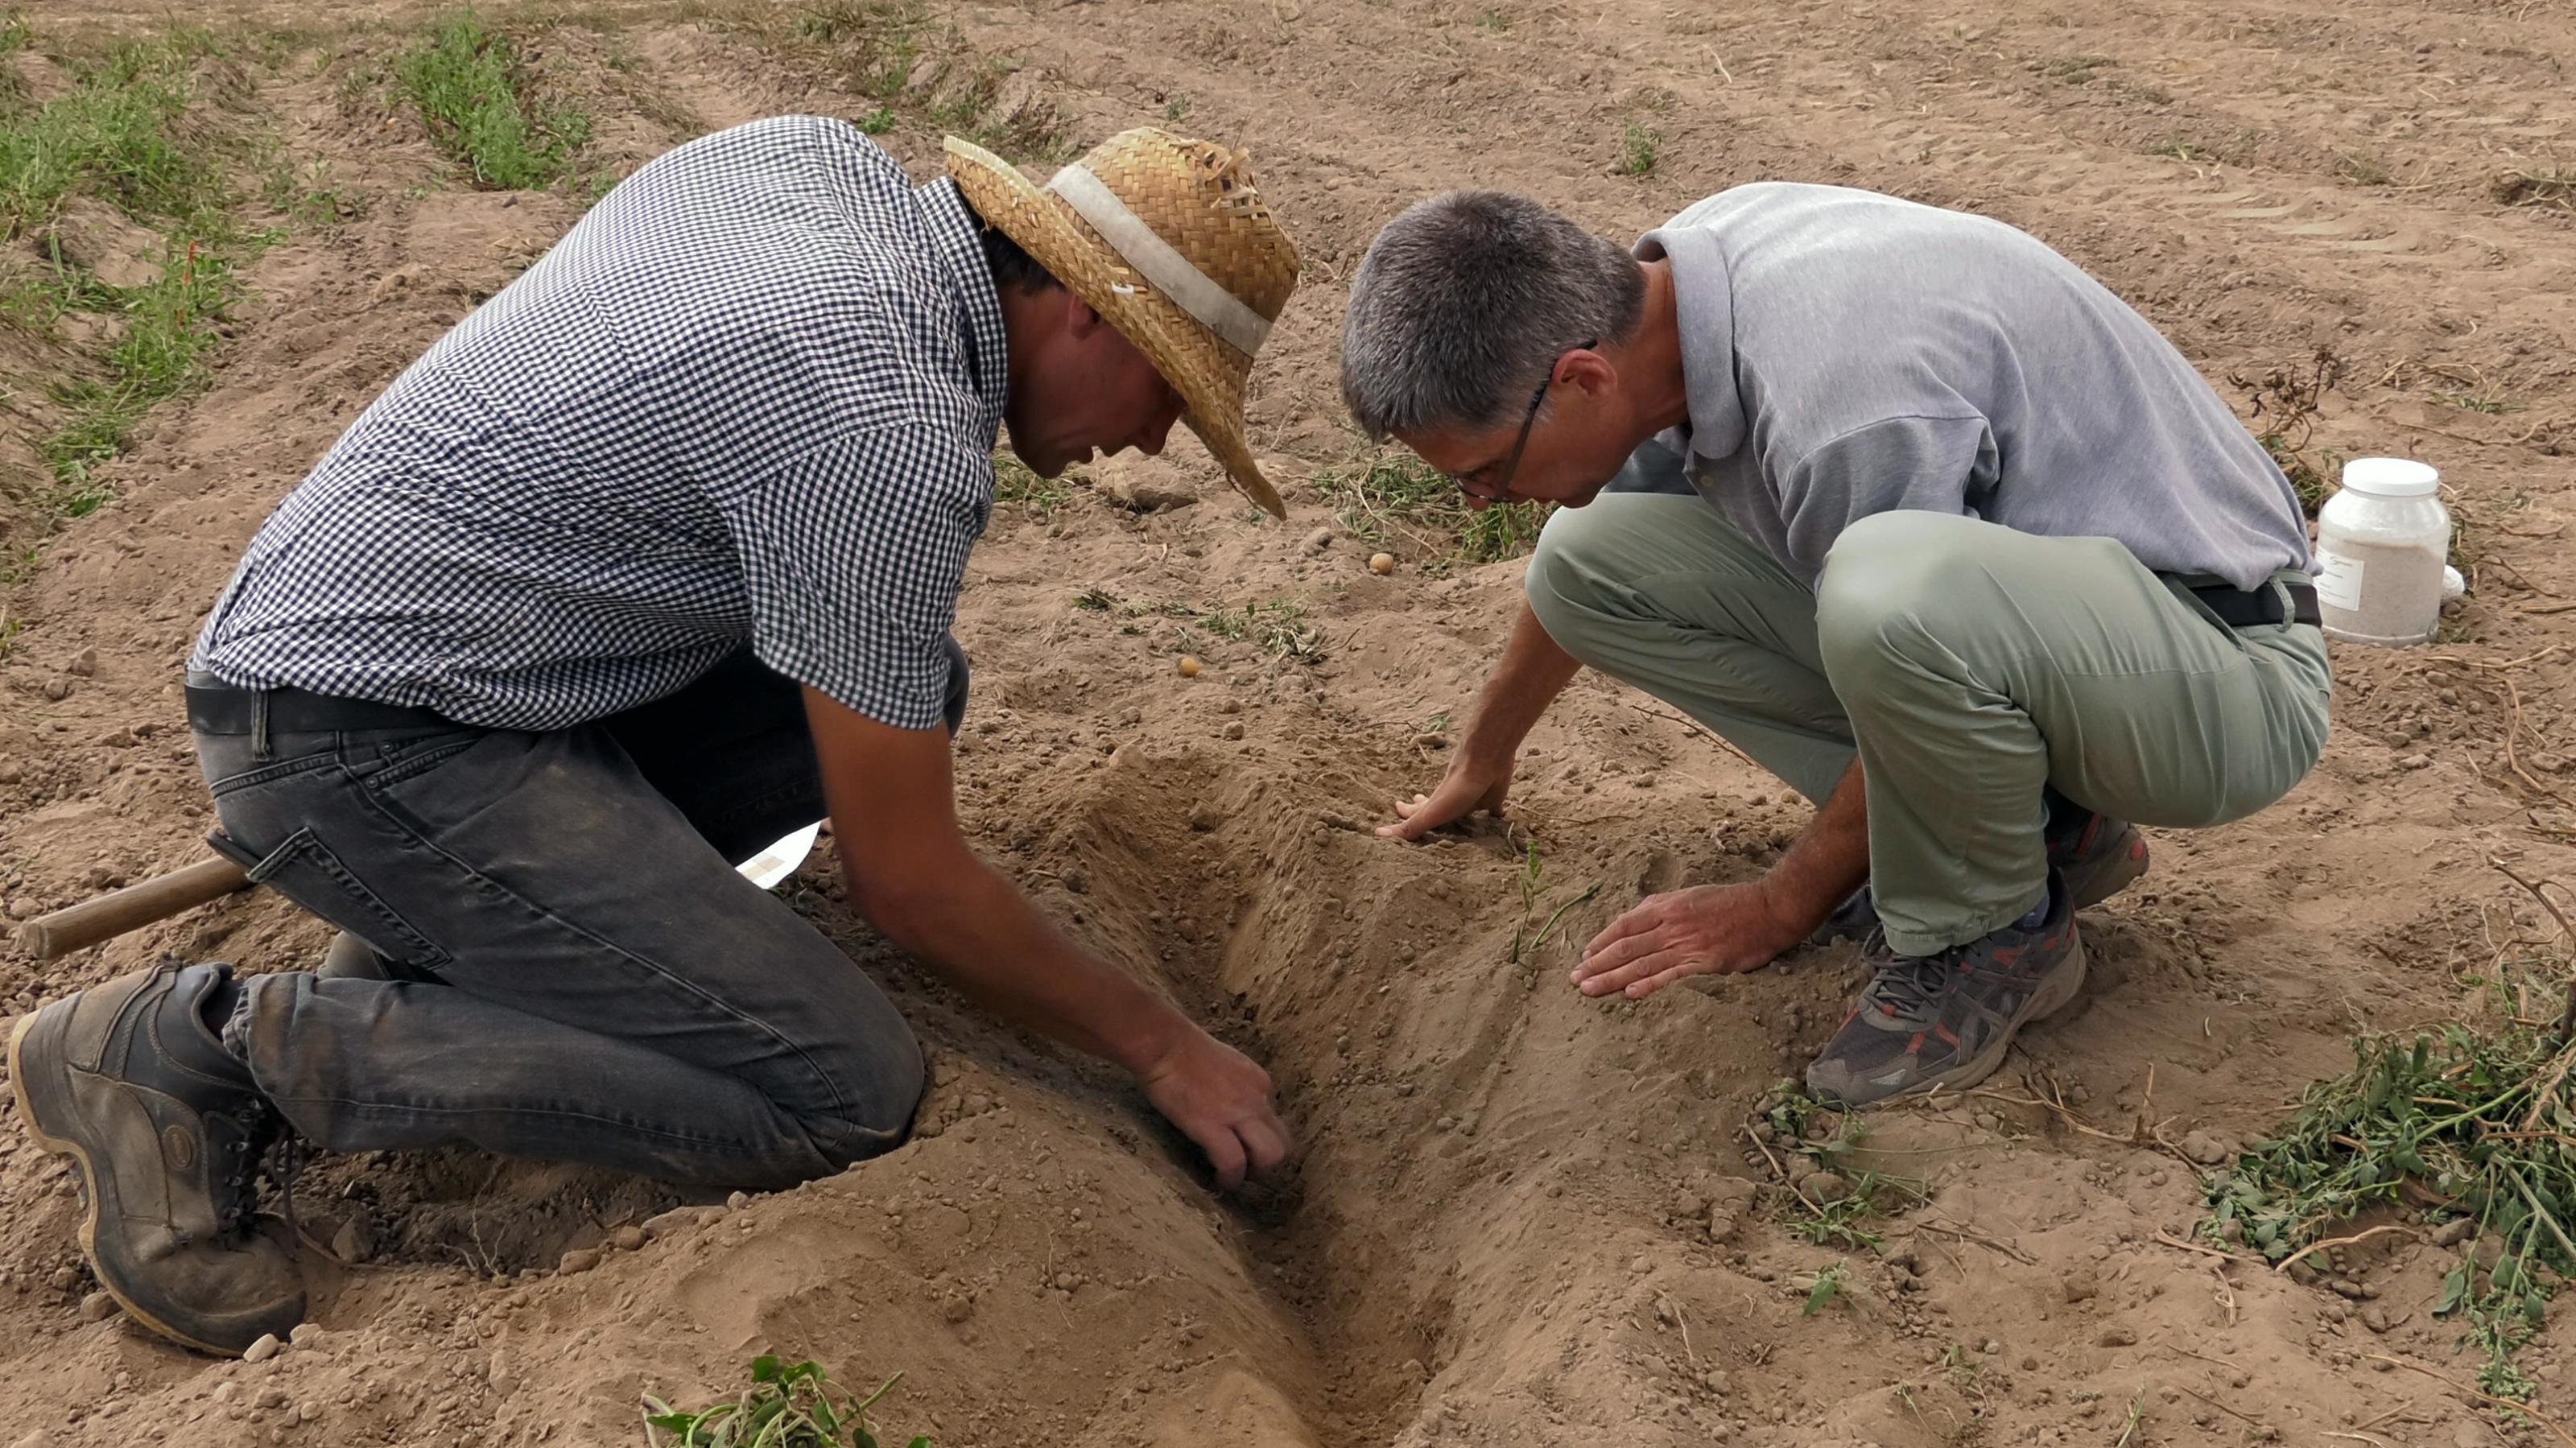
<point>2381,544</point>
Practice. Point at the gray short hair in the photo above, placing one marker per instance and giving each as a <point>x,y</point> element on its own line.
<point>1465,300</point>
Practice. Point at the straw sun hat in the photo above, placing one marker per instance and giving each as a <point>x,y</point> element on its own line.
<point>1168,240</point>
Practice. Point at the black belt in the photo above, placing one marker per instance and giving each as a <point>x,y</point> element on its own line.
<point>227,710</point>
<point>2261,608</point>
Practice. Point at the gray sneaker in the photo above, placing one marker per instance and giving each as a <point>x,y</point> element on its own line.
<point>1946,1020</point>
<point>2099,858</point>
<point>168,1133</point>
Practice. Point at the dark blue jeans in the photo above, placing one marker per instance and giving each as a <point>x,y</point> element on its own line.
<point>581,975</point>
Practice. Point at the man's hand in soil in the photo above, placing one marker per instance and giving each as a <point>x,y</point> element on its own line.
<point>913,875</point>
<point>1729,929</point>
<point>1221,1100</point>
<point>1704,930</point>
<point>1469,786</point>
<point>1531,673</point>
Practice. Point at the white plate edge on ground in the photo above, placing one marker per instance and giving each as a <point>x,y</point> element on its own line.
<point>780,860</point>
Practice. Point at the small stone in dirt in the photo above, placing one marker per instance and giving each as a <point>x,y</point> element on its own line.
<point>1993,1347</point>
<point>261,1351</point>
<point>2346,1287</point>
<point>306,1334</point>
<point>737,1201</point>
<point>2374,1319</point>
<point>2455,1231</point>
<point>1721,1224</point>
<point>1205,816</point>
<point>97,1307</point>
<point>1381,563</point>
<point>351,1243</point>
<point>58,689</point>
<point>310,1412</point>
<point>1234,730</point>
<point>1825,1186</point>
<point>663,1224</point>
<point>1189,667</point>
<point>627,1239</point>
<point>226,1392</point>
<point>2414,761</point>
<point>957,1309</point>
<point>2030,1364</point>
<point>580,1259</point>
<point>270,1398</point>
<point>1319,540</point>
<point>11,771</point>
<point>2118,1337</point>
<point>2204,1148</point>
<point>84,663</point>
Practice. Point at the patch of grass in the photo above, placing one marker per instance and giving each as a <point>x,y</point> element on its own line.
<point>1177,109</point>
<point>466,80</point>
<point>120,137</point>
<point>169,327</point>
<point>1640,147</point>
<point>2073,69</point>
<point>1798,1125</point>
<point>1826,1286</point>
<point>786,1406</point>
<point>1278,628</point>
<point>2490,402</point>
<point>1016,482</point>
<point>313,196</point>
<point>893,52</point>
<point>2469,1122</point>
<point>114,136</point>
<point>877,122</point>
<point>2552,187</point>
<point>2363,170</point>
<point>1398,499</point>
<point>1526,942</point>
<point>1494,20</point>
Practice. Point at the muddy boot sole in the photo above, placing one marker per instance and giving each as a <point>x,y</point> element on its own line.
<point>96,1189</point>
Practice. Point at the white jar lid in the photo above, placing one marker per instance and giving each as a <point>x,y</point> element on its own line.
<point>2391,477</point>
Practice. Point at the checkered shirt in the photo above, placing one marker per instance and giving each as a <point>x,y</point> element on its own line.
<point>751,398</point>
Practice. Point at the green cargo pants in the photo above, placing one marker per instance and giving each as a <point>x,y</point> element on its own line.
<point>1970,665</point>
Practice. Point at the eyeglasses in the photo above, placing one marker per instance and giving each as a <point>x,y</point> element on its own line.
<point>1500,489</point>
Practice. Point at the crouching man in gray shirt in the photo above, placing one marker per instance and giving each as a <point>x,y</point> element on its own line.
<point>1908,508</point>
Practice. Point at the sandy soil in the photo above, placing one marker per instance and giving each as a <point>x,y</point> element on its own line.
<point>1520,1217</point>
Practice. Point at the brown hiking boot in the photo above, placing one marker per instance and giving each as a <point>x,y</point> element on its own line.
<point>1946,1020</point>
<point>168,1133</point>
<point>2098,858</point>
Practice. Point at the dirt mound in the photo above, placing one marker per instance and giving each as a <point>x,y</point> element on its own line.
<point>1520,1217</point>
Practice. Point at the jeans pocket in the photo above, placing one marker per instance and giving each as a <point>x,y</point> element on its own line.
<point>305,871</point>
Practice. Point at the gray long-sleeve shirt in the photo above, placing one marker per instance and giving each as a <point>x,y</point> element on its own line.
<point>1848,353</point>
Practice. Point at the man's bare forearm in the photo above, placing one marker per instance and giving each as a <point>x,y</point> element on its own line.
<point>1828,860</point>
<point>1531,673</point>
<point>981,933</point>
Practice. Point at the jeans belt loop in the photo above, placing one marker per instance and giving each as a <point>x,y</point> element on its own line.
<point>260,747</point>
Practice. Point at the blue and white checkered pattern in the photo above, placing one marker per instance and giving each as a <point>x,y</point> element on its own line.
<point>751,397</point>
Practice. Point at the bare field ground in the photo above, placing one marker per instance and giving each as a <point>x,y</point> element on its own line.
<point>1520,1217</point>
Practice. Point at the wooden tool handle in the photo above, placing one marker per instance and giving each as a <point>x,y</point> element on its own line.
<point>131,908</point>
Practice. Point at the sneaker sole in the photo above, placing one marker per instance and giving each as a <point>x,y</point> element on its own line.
<point>63,1146</point>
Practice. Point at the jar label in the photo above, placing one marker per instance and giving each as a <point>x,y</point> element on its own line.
<point>2338,581</point>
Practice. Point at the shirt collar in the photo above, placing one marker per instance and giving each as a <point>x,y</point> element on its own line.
<point>955,233</point>
<point>1704,302</point>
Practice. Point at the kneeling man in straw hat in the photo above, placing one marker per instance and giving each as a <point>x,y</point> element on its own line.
<point>1906,507</point>
<point>649,561</point>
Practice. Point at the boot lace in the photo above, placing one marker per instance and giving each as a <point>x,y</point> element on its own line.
<point>270,1151</point>
<point>1908,987</point>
